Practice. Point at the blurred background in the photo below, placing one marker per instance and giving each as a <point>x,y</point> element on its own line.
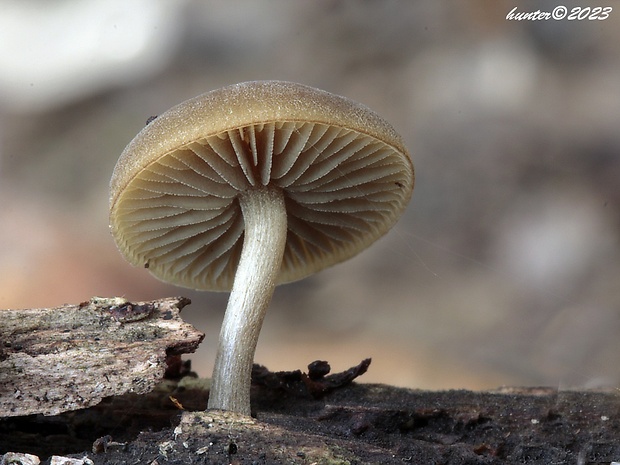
<point>504,270</point>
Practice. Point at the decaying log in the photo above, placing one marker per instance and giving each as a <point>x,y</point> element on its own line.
<point>67,358</point>
<point>50,361</point>
<point>356,423</point>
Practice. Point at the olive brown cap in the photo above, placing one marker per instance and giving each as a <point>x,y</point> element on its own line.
<point>344,170</point>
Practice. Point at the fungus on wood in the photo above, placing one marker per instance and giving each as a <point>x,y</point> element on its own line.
<point>253,185</point>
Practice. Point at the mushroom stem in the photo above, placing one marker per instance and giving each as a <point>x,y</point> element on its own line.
<point>264,215</point>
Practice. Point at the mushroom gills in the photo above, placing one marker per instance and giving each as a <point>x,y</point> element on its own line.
<point>334,179</point>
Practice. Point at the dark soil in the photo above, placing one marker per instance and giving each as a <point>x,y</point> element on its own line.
<point>344,423</point>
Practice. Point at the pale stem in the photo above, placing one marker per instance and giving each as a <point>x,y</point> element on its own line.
<point>264,214</point>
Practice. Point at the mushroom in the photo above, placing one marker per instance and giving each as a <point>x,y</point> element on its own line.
<point>253,185</point>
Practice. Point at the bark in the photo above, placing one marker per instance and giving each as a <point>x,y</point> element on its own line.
<point>316,418</point>
<point>71,357</point>
<point>353,424</point>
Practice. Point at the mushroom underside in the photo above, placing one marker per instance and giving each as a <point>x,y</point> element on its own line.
<point>181,216</point>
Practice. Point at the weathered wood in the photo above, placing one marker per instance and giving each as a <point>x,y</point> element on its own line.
<point>67,358</point>
<point>300,418</point>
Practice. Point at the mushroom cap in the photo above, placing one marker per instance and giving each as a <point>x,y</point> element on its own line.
<point>344,171</point>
